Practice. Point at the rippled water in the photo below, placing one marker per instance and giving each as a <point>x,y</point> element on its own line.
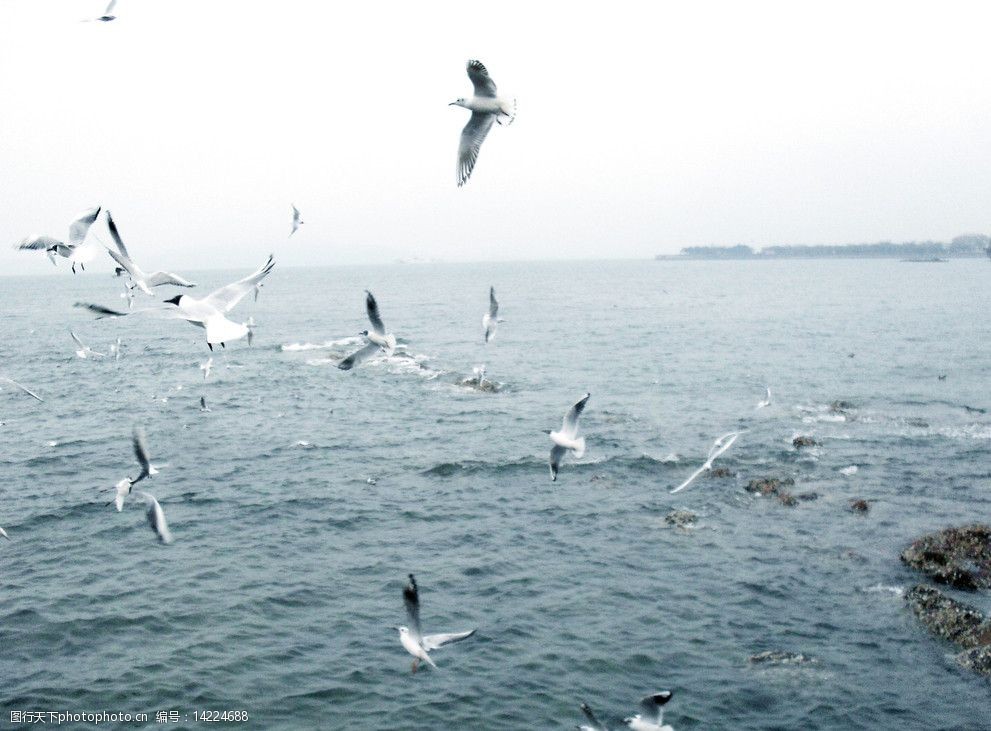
<point>285,577</point>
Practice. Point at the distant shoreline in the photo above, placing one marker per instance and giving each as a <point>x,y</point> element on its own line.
<point>966,246</point>
<point>779,257</point>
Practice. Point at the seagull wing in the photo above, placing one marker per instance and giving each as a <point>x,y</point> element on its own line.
<point>651,705</point>
<point>357,357</point>
<point>691,479</point>
<point>480,79</point>
<point>373,313</point>
<point>493,304</point>
<point>432,642</point>
<point>225,298</point>
<point>25,389</point>
<point>157,279</point>
<point>141,452</point>
<point>78,341</point>
<point>36,243</point>
<point>557,454</point>
<point>570,424</point>
<point>597,725</point>
<point>125,262</point>
<point>110,7</point>
<point>472,137</point>
<point>79,228</point>
<point>156,518</point>
<point>101,312</point>
<point>115,235</point>
<point>411,599</point>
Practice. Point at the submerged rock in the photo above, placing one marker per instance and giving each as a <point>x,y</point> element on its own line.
<point>779,657</point>
<point>807,496</point>
<point>720,472</point>
<point>960,557</point>
<point>786,498</point>
<point>804,441</point>
<point>839,406</point>
<point>859,505</point>
<point>945,617</point>
<point>768,485</point>
<point>977,659</point>
<point>680,518</point>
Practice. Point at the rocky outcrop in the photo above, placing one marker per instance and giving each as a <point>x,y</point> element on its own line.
<point>804,441</point>
<point>768,485</point>
<point>681,518</point>
<point>959,557</point>
<point>859,505</point>
<point>957,622</point>
<point>720,472</point>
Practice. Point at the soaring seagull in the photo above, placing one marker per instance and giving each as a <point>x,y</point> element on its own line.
<point>296,220</point>
<point>123,487</point>
<point>4,534</point>
<point>568,439</point>
<point>156,518</point>
<point>84,350</point>
<point>107,16</point>
<point>718,447</point>
<point>377,338</point>
<point>139,279</point>
<point>766,401</point>
<point>416,643</point>
<point>24,388</point>
<point>491,319</point>
<point>209,313</point>
<point>486,107</point>
<point>651,716</point>
<point>75,250</point>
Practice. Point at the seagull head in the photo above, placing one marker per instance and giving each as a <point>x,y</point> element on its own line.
<point>174,300</point>
<point>364,332</point>
<point>459,103</point>
<point>402,630</point>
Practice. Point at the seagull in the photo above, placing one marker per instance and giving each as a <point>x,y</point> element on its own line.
<point>123,487</point>
<point>296,220</point>
<point>115,350</point>
<point>205,367</point>
<point>491,319</point>
<point>568,437</point>
<point>139,279</point>
<point>479,372</point>
<point>4,534</point>
<point>84,350</point>
<point>25,389</point>
<point>718,447</point>
<point>203,406</point>
<point>377,338</point>
<point>156,518</point>
<point>74,250</point>
<point>250,324</point>
<point>107,14</point>
<point>486,107</point>
<point>415,643</point>
<point>597,725</point>
<point>207,312</point>
<point>766,401</point>
<point>651,716</point>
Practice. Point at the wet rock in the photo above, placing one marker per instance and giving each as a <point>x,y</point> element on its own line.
<point>804,441</point>
<point>807,497</point>
<point>786,498</point>
<point>768,485</point>
<point>481,384</point>
<point>779,657</point>
<point>859,505</point>
<point>945,617</point>
<point>977,659</point>
<point>960,557</point>
<point>721,472</point>
<point>839,406</point>
<point>680,518</point>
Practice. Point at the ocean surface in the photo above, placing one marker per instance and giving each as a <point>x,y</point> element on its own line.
<point>306,494</point>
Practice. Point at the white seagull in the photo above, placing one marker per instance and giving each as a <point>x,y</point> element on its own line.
<point>115,349</point>
<point>4,534</point>
<point>25,389</point>
<point>84,350</point>
<point>491,319</point>
<point>205,367</point>
<point>75,250</point>
<point>718,447</point>
<point>209,313</point>
<point>567,438</point>
<point>486,107</point>
<point>139,279</point>
<point>377,338</point>
<point>417,644</point>
<point>296,220</point>
<point>651,716</point>
<point>123,487</point>
<point>107,14</point>
<point>156,518</point>
<point>766,401</point>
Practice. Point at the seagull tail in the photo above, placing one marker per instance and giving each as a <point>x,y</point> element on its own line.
<point>507,113</point>
<point>579,447</point>
<point>391,340</point>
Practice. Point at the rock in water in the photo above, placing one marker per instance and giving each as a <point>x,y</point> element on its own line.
<point>955,621</point>
<point>779,657</point>
<point>977,659</point>
<point>859,505</point>
<point>768,485</point>
<point>960,557</point>
<point>681,518</point>
<point>804,441</point>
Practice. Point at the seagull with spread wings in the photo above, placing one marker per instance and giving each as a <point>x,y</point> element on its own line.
<point>413,640</point>
<point>491,319</point>
<point>123,487</point>
<point>486,107</point>
<point>139,279</point>
<point>567,438</point>
<point>296,220</point>
<point>76,250</point>
<point>378,339</point>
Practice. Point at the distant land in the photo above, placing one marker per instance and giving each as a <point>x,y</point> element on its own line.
<point>965,246</point>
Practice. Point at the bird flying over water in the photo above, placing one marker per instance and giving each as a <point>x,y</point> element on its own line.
<point>491,319</point>
<point>651,716</point>
<point>417,644</point>
<point>567,438</point>
<point>377,337</point>
<point>296,220</point>
<point>205,367</point>
<point>4,534</point>
<point>718,447</point>
<point>25,389</point>
<point>139,279</point>
<point>107,16</point>
<point>156,518</point>
<point>486,107</point>
<point>766,401</point>
<point>76,250</point>
<point>123,487</point>
<point>84,350</point>
<point>203,406</point>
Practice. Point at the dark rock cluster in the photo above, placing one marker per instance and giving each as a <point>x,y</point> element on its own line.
<point>959,557</point>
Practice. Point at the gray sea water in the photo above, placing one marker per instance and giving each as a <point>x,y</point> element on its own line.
<point>280,590</point>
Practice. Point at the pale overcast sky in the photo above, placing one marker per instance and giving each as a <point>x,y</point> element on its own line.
<point>643,127</point>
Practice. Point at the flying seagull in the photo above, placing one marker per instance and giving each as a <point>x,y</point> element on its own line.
<point>156,518</point>
<point>74,250</point>
<point>25,389</point>
<point>718,447</point>
<point>491,319</point>
<point>205,367</point>
<point>486,107</point>
<point>107,16</point>
<point>567,438</point>
<point>296,220</point>
<point>139,279</point>
<point>417,644</point>
<point>115,350</point>
<point>203,406</point>
<point>208,312</point>
<point>123,487</point>
<point>766,401</point>
<point>377,337</point>
<point>651,716</point>
<point>4,534</point>
<point>84,350</point>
